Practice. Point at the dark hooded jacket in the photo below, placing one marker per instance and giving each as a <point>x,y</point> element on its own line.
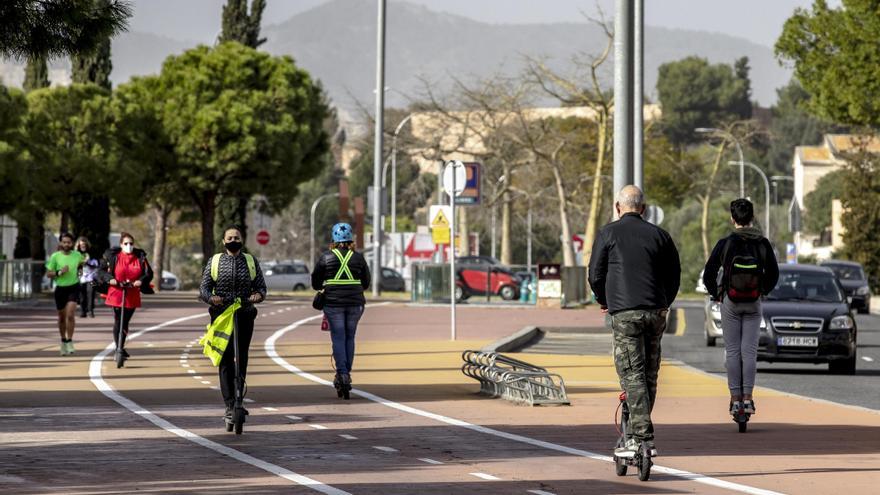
<point>108,268</point>
<point>743,241</point>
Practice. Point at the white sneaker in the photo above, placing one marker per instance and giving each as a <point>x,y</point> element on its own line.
<point>63,349</point>
<point>70,349</point>
<point>629,449</point>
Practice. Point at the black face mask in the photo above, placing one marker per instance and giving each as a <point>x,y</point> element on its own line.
<point>233,246</point>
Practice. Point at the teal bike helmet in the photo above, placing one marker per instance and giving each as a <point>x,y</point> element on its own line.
<point>342,232</point>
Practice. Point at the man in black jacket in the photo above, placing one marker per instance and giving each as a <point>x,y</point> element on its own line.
<point>635,273</point>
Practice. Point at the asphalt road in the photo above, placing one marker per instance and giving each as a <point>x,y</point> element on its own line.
<point>809,380</point>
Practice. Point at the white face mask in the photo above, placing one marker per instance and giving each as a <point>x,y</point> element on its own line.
<point>127,249</point>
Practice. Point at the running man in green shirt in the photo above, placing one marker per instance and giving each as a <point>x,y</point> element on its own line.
<point>62,267</point>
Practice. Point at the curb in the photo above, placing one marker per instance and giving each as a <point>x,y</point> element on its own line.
<point>513,341</point>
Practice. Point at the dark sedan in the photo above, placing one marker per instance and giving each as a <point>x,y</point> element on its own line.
<point>852,278</point>
<point>807,319</point>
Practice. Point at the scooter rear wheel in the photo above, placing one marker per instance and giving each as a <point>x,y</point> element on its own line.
<point>743,426</point>
<point>239,427</point>
<point>229,427</point>
<point>619,466</point>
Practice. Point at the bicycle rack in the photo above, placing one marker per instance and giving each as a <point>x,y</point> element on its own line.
<point>514,380</point>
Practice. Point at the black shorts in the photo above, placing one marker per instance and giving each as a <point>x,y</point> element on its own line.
<point>64,295</point>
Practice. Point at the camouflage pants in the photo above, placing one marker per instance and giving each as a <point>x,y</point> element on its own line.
<point>636,335</point>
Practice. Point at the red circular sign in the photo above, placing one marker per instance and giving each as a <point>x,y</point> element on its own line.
<point>262,237</point>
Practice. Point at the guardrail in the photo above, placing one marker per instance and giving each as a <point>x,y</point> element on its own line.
<point>514,380</point>
<point>17,279</point>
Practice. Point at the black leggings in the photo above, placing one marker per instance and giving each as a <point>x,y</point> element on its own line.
<point>126,317</point>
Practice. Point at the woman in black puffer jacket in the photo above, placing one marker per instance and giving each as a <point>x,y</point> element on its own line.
<point>342,273</point>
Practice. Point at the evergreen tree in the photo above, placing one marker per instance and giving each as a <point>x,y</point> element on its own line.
<point>244,28</point>
<point>240,26</point>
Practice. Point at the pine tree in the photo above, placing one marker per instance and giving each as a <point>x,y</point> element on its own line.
<point>93,67</point>
<point>244,28</point>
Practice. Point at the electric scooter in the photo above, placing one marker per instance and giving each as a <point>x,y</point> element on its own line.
<point>120,341</point>
<point>236,422</point>
<point>642,458</point>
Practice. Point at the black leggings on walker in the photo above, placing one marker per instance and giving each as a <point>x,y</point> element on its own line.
<point>126,315</point>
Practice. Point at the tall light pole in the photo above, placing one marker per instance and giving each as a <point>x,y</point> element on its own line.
<point>731,137</point>
<point>623,93</point>
<point>776,178</point>
<point>638,93</point>
<point>766,194</point>
<point>312,228</point>
<point>377,147</point>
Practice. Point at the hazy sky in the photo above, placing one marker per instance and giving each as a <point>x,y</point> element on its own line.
<point>759,21</point>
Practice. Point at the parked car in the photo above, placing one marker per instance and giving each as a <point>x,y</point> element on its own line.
<point>287,275</point>
<point>478,275</point>
<point>807,318</point>
<point>852,277</point>
<point>392,280</point>
<point>169,281</point>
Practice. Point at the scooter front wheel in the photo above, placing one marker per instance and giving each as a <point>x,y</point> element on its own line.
<point>239,427</point>
<point>619,466</point>
<point>645,464</point>
<point>743,426</point>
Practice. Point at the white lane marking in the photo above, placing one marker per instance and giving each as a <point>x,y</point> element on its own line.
<point>192,372</point>
<point>249,401</point>
<point>108,391</point>
<point>541,492</point>
<point>385,449</point>
<point>868,359</point>
<point>485,476</point>
<point>269,409</point>
<point>215,387</point>
<point>185,365</point>
<point>149,345</point>
<point>269,347</point>
<point>429,461</point>
<point>189,345</point>
<point>294,418</point>
<point>198,377</point>
<point>206,382</point>
<point>319,427</point>
<point>349,437</point>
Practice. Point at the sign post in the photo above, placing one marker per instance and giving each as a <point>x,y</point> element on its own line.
<point>454,178</point>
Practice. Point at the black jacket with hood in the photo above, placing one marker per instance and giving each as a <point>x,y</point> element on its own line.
<point>743,241</point>
<point>341,295</point>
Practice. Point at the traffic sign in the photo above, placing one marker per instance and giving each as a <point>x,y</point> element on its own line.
<point>263,237</point>
<point>471,194</point>
<point>439,218</point>
<point>454,167</point>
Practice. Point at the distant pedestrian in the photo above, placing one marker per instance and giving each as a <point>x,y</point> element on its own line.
<point>634,273</point>
<point>62,268</point>
<point>229,276</point>
<point>343,274</point>
<point>749,271</point>
<point>130,275</point>
<point>86,276</point>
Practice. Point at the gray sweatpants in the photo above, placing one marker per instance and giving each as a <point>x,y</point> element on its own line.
<point>740,324</point>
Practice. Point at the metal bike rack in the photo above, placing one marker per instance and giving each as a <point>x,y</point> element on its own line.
<point>514,380</point>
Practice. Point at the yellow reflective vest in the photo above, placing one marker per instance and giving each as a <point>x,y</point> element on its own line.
<point>218,333</point>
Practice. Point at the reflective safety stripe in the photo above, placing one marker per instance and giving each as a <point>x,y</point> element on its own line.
<point>217,334</point>
<point>343,271</point>
<point>747,267</point>
<point>215,266</point>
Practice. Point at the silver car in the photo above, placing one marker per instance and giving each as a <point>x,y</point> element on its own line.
<point>285,276</point>
<point>712,310</point>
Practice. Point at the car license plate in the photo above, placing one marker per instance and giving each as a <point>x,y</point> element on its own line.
<point>798,341</point>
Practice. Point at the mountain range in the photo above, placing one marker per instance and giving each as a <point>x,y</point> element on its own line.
<point>336,42</point>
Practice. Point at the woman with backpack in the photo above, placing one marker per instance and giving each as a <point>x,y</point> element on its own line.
<point>129,274</point>
<point>342,273</point>
<point>749,271</point>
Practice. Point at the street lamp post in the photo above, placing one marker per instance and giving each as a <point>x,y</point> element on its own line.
<point>776,178</point>
<point>312,228</point>
<point>731,137</point>
<point>766,194</point>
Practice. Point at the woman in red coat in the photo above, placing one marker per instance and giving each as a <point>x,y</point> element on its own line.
<point>130,275</point>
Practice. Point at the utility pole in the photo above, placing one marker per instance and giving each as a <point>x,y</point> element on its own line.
<point>623,93</point>
<point>377,149</point>
<point>638,94</point>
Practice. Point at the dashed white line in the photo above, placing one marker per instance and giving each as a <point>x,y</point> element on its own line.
<point>249,401</point>
<point>108,391</point>
<point>868,359</point>
<point>429,461</point>
<point>269,409</point>
<point>319,427</point>
<point>485,476</point>
<point>185,365</point>
<point>198,377</point>
<point>385,449</point>
<point>294,418</point>
<point>215,387</point>
<point>189,345</point>
<point>349,437</point>
<point>192,372</point>
<point>206,382</point>
<point>541,492</point>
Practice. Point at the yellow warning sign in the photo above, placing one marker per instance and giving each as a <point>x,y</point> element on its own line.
<point>440,235</point>
<point>440,221</point>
